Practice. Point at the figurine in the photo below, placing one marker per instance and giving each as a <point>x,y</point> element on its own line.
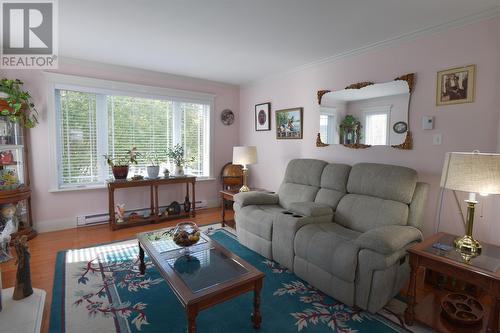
<point>23,286</point>
<point>6,157</point>
<point>4,246</point>
<point>187,204</point>
<point>9,219</point>
<point>166,173</point>
<point>120,213</point>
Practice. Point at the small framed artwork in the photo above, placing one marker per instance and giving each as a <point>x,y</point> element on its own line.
<point>456,85</point>
<point>289,123</point>
<point>263,117</point>
<point>400,127</point>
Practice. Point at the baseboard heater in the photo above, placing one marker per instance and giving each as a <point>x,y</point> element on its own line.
<point>95,219</point>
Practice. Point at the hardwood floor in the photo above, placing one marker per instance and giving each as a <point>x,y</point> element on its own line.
<point>45,246</point>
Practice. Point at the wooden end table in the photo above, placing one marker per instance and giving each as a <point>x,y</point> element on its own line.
<point>228,196</point>
<point>482,271</point>
<point>220,274</point>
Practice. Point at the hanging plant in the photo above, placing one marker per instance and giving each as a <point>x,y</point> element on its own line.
<point>21,108</point>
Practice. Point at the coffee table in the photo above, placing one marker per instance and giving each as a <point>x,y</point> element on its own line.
<point>208,275</point>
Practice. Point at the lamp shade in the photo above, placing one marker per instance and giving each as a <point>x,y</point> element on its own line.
<point>472,172</point>
<point>244,155</point>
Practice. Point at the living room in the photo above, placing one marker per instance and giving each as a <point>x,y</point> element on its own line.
<point>308,166</point>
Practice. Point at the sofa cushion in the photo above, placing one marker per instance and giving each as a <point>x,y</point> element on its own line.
<point>290,193</point>
<point>312,209</point>
<point>258,219</point>
<point>335,176</point>
<point>330,247</point>
<point>388,182</point>
<point>304,171</point>
<point>329,197</point>
<point>362,212</point>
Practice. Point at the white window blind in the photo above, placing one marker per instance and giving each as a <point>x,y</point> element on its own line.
<point>92,124</point>
<point>78,146</point>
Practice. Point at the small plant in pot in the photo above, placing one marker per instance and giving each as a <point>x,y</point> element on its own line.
<point>153,167</point>
<point>120,165</point>
<point>176,153</point>
<point>17,106</point>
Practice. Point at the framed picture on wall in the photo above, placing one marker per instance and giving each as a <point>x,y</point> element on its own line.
<point>263,117</point>
<point>456,85</point>
<point>289,123</point>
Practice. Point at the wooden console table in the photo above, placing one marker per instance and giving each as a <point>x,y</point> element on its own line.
<point>153,184</point>
<point>482,271</point>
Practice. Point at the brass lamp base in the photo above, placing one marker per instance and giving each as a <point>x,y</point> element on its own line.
<point>467,244</point>
<point>244,188</point>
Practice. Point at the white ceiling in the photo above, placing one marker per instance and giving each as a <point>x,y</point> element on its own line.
<point>238,41</point>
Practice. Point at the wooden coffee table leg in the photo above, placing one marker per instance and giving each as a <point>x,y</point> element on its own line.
<point>142,265</point>
<point>493,319</point>
<point>256,317</point>
<point>410,308</point>
<point>191,313</point>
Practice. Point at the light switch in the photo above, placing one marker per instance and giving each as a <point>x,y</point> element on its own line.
<point>427,122</point>
<point>437,139</point>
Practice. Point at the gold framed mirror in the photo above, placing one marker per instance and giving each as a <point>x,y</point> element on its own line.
<point>367,114</point>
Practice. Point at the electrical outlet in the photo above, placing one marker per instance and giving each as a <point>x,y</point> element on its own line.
<point>437,139</point>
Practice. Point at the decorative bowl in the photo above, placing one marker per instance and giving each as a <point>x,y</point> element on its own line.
<point>186,234</point>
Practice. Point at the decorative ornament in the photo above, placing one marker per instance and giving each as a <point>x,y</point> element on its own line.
<point>23,286</point>
<point>400,127</point>
<point>227,117</point>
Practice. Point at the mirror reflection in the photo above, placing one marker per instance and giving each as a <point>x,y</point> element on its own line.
<point>373,114</point>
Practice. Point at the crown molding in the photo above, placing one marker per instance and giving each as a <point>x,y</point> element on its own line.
<point>481,16</point>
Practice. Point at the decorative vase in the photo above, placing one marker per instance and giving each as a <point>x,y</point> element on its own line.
<point>153,171</point>
<point>179,170</point>
<point>120,171</point>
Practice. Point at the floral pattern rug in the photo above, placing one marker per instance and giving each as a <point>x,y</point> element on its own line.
<point>100,289</point>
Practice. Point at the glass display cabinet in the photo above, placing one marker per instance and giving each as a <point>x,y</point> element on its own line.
<point>15,192</point>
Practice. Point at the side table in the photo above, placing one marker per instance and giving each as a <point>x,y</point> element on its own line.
<point>228,196</point>
<point>482,271</point>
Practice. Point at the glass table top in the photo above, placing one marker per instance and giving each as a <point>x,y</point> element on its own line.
<point>488,260</point>
<point>206,268</point>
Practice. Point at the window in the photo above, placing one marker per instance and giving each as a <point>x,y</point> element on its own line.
<point>93,122</point>
<point>376,126</point>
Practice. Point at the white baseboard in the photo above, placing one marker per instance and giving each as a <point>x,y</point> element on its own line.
<point>70,222</point>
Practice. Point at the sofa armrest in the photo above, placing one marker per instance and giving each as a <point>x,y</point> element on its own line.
<point>312,209</point>
<point>255,198</point>
<point>389,239</point>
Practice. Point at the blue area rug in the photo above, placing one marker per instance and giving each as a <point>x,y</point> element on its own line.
<point>99,289</point>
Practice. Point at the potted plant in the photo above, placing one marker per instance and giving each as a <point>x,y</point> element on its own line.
<point>154,165</point>
<point>120,165</point>
<point>176,153</point>
<point>17,106</point>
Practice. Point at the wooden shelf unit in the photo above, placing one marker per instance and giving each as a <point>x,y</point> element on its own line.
<point>153,184</point>
<point>19,144</point>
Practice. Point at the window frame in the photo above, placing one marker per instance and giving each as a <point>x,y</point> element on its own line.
<point>106,87</point>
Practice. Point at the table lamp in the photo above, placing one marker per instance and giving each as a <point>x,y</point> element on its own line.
<point>244,155</point>
<point>474,173</point>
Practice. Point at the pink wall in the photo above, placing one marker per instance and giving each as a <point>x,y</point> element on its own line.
<point>56,210</point>
<point>464,127</point>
